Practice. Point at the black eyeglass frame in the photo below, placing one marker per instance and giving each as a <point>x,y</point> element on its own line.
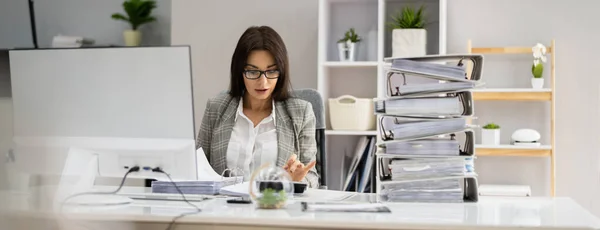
<point>261,73</point>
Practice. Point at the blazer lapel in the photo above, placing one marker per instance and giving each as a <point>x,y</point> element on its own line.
<point>285,134</point>
<point>223,135</point>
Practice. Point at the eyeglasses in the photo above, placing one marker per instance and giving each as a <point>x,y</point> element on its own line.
<point>255,74</point>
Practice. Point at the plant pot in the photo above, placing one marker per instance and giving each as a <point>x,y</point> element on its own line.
<point>537,83</point>
<point>490,136</point>
<point>409,42</point>
<point>347,51</point>
<point>132,37</point>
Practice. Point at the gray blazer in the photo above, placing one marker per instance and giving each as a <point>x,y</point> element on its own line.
<point>295,126</point>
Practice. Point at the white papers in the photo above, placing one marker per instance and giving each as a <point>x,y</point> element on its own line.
<point>205,170</point>
<point>243,190</point>
<point>340,207</point>
<point>209,182</point>
<point>429,106</point>
<point>434,87</point>
<point>436,147</point>
<point>406,129</point>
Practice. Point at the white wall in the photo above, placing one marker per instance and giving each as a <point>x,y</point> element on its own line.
<point>213,27</point>
<point>524,23</point>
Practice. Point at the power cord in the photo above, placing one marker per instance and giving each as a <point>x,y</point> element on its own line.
<point>159,170</point>
<point>131,170</point>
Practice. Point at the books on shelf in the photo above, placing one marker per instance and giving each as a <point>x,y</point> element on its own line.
<point>426,152</point>
<point>359,177</point>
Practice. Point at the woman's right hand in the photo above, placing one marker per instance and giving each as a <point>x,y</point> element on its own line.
<point>297,169</point>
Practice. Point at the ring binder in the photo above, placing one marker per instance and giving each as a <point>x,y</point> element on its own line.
<point>236,169</point>
<point>454,104</point>
<point>427,147</point>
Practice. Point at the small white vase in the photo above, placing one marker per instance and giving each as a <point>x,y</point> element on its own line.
<point>409,42</point>
<point>132,37</point>
<point>490,136</point>
<point>347,51</point>
<point>537,83</point>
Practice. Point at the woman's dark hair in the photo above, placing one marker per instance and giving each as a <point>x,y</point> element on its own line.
<point>260,38</point>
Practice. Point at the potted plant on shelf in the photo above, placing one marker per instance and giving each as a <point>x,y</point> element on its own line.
<point>409,37</point>
<point>138,13</point>
<point>347,45</point>
<point>490,135</point>
<point>537,69</point>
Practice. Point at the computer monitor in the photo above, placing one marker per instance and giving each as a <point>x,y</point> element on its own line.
<point>88,112</point>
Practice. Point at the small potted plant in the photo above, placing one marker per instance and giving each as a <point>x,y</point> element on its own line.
<point>347,45</point>
<point>490,135</point>
<point>537,69</point>
<point>409,37</point>
<point>138,13</point>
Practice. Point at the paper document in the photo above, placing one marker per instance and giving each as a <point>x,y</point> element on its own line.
<point>309,194</point>
<point>344,207</point>
<point>209,182</point>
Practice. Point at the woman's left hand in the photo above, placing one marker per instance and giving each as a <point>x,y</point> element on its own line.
<point>297,169</point>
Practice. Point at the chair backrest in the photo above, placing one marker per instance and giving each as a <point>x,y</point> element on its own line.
<point>314,97</point>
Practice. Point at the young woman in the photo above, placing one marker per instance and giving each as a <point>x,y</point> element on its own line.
<point>258,121</point>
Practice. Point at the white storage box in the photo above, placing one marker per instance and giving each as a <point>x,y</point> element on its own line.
<point>351,113</point>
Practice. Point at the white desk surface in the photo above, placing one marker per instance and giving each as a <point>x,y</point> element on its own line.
<point>488,213</point>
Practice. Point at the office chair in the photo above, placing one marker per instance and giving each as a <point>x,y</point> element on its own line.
<point>314,97</point>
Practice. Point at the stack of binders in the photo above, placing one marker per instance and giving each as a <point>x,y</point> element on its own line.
<point>427,148</point>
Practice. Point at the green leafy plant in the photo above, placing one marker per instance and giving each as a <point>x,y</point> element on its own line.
<point>138,12</point>
<point>408,18</point>
<point>272,199</point>
<point>491,126</point>
<point>351,36</point>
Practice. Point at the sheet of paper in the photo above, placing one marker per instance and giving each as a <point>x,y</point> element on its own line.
<point>360,207</point>
<point>205,170</point>
<point>312,195</point>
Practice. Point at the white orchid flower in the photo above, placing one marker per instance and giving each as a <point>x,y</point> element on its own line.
<point>539,50</point>
<point>539,53</point>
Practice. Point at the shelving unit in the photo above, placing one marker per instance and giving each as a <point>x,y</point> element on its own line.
<point>365,77</point>
<point>546,95</point>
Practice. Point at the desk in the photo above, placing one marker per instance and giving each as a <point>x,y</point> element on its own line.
<point>489,213</point>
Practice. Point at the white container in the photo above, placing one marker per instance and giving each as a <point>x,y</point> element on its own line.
<point>490,136</point>
<point>537,83</point>
<point>347,51</point>
<point>351,113</point>
<point>409,42</point>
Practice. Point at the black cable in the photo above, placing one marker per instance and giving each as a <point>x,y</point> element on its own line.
<point>159,170</point>
<point>131,170</point>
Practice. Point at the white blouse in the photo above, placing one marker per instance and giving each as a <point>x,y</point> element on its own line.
<point>250,147</point>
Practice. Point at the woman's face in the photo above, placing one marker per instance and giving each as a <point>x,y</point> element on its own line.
<point>260,74</point>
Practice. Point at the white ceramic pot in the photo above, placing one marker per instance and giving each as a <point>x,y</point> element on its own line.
<point>347,51</point>
<point>537,83</point>
<point>409,42</point>
<point>132,37</point>
<point>490,136</point>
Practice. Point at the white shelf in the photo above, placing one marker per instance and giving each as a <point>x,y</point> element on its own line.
<point>351,132</point>
<point>509,90</point>
<point>365,77</point>
<point>351,64</point>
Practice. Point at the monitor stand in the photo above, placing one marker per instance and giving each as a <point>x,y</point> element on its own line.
<point>78,176</point>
